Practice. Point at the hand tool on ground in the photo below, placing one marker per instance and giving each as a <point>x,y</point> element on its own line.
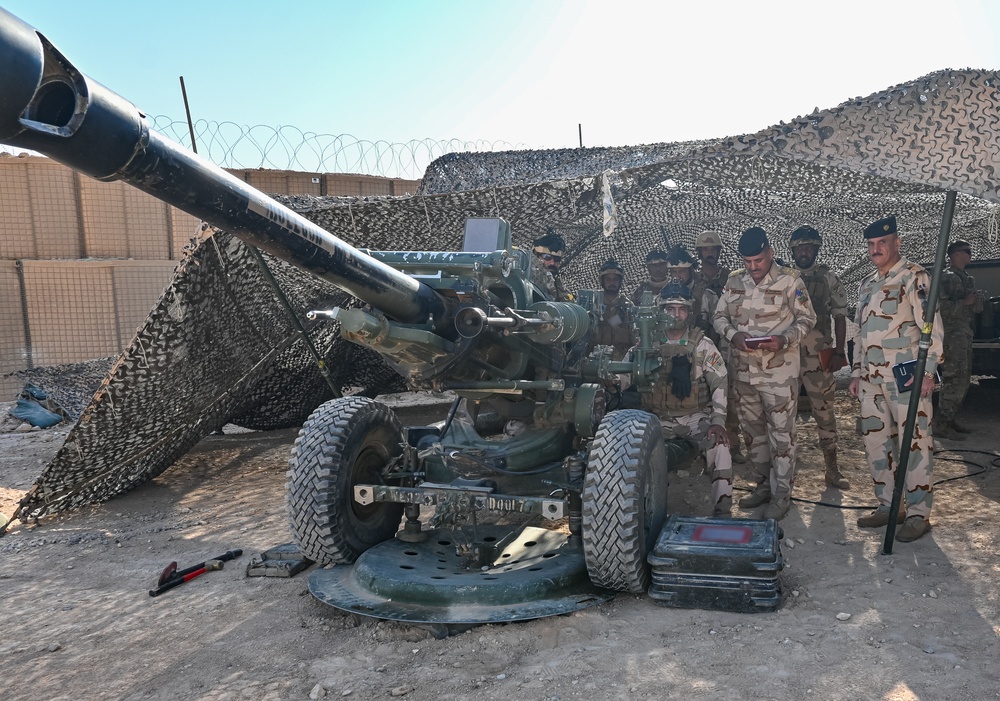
<point>172,577</point>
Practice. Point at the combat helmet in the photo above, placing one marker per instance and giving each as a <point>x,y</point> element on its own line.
<point>611,267</point>
<point>675,292</point>
<point>707,239</point>
<point>678,257</point>
<point>803,235</point>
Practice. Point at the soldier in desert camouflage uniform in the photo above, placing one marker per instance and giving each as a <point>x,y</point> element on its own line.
<point>711,276</point>
<point>766,300</point>
<point>960,302</point>
<point>829,300</point>
<point>614,328</point>
<point>689,391</point>
<point>890,317</point>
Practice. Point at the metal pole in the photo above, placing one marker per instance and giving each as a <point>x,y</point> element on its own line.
<point>579,130</point>
<point>918,372</point>
<point>187,111</point>
<point>320,362</point>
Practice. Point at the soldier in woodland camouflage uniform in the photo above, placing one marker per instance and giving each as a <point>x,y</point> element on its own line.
<point>656,265</point>
<point>890,317</point>
<point>828,299</point>
<point>688,393</point>
<point>960,302</point>
<point>768,302</point>
<point>614,328</point>
<point>712,276</point>
<point>549,250</point>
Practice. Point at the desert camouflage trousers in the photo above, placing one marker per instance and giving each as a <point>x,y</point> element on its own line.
<point>767,417</point>
<point>821,388</point>
<point>955,376</point>
<point>718,459</point>
<point>883,414</point>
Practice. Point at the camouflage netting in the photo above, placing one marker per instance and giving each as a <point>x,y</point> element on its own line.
<point>218,348</point>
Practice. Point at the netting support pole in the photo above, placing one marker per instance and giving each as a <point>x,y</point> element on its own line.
<point>918,372</point>
<point>320,363</point>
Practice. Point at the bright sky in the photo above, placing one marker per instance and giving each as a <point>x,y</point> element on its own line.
<point>512,70</point>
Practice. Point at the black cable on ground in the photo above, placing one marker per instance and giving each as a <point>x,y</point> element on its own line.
<point>995,462</point>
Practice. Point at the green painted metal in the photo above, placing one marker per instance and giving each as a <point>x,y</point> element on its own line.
<point>487,574</point>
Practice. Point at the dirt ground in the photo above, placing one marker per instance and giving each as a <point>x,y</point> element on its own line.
<point>77,622</point>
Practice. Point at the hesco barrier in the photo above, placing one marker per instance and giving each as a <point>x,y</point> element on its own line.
<point>216,347</point>
<point>62,306</point>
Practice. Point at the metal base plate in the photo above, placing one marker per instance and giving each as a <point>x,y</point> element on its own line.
<point>537,573</point>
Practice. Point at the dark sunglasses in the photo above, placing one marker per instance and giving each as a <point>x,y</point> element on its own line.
<point>549,257</point>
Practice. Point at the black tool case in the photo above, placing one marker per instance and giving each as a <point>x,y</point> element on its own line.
<point>727,564</point>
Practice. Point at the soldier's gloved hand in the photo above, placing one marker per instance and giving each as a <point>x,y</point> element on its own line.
<point>680,376</point>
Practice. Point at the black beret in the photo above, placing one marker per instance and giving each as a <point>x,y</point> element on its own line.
<point>655,254</point>
<point>752,242</point>
<point>880,228</point>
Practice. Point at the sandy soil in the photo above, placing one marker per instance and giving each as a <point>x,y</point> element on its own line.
<point>77,622</point>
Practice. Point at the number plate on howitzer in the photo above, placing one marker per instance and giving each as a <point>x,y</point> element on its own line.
<point>479,498</point>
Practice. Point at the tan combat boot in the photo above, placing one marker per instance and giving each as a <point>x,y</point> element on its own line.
<point>760,495</point>
<point>833,476</point>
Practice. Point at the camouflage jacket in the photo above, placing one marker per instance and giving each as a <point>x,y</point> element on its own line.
<point>716,284</point>
<point>707,291</point>
<point>890,316</point>
<point>829,300</point>
<point>779,305</point>
<point>708,373</point>
<point>653,286</point>
<point>958,317</point>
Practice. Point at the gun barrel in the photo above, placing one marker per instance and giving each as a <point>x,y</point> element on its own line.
<point>48,106</point>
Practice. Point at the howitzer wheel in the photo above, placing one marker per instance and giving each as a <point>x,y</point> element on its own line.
<point>345,442</point>
<point>624,499</point>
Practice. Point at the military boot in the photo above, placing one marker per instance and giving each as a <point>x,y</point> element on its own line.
<point>833,476</point>
<point>760,495</point>
<point>961,428</point>
<point>778,507</point>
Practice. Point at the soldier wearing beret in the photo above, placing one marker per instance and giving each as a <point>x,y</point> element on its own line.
<point>830,301</point>
<point>764,314</point>
<point>614,328</point>
<point>960,302</point>
<point>890,317</point>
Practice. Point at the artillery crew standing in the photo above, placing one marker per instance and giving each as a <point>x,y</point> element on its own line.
<point>960,302</point>
<point>821,352</point>
<point>614,328</point>
<point>688,392</point>
<point>890,317</point>
<point>765,314</point>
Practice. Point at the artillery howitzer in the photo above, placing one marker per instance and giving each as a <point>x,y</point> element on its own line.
<point>478,323</point>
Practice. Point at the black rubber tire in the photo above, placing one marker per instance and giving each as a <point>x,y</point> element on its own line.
<point>345,442</point>
<point>624,499</point>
